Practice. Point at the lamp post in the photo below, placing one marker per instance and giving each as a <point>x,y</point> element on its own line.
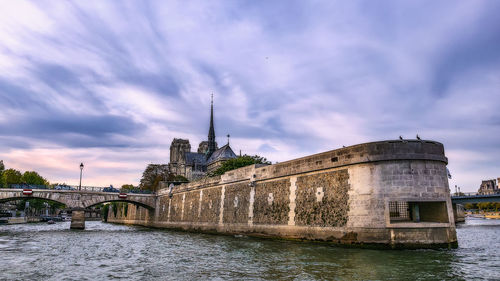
<point>81,170</point>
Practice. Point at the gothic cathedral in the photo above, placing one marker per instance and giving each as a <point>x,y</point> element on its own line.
<point>195,165</point>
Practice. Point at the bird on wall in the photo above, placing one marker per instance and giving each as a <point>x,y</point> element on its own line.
<point>418,138</point>
<point>400,137</point>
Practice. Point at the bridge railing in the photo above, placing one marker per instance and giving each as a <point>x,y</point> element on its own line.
<point>55,187</point>
<point>27,186</point>
<point>468,194</point>
<point>76,188</point>
<point>91,188</point>
<point>138,191</point>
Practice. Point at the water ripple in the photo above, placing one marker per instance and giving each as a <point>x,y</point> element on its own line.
<point>109,251</point>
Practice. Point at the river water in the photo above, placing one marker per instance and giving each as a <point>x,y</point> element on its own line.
<point>108,251</point>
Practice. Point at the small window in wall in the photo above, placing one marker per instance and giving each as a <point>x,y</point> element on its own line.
<point>422,211</point>
<point>432,211</point>
<point>399,211</point>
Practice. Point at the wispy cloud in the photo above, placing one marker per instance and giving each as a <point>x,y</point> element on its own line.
<point>112,83</point>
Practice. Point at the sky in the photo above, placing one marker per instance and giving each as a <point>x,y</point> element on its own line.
<point>111,83</point>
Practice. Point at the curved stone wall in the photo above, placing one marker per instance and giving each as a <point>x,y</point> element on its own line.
<point>389,193</point>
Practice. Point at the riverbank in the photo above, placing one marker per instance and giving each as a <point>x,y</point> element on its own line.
<point>495,216</point>
<point>19,220</point>
<point>488,215</point>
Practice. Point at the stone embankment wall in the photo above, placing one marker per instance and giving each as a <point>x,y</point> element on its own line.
<point>390,193</point>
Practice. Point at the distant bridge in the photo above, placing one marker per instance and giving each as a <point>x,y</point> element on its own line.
<point>474,197</point>
<point>77,200</point>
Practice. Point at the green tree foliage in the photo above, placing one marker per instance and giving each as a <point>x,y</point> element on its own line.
<point>239,162</point>
<point>20,204</point>
<point>152,176</point>
<point>470,206</point>
<point>488,206</point>
<point>127,187</point>
<point>32,177</point>
<point>38,204</point>
<point>11,176</point>
<point>2,168</point>
<point>178,178</point>
<point>114,205</point>
<point>104,212</point>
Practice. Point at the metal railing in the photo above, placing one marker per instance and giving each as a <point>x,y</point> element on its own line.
<point>138,191</point>
<point>76,188</point>
<point>470,194</point>
<point>55,187</point>
<point>91,188</point>
<point>28,186</point>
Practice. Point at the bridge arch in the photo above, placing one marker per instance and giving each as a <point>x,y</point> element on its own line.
<point>146,201</point>
<point>14,198</point>
<point>79,200</point>
<point>137,203</point>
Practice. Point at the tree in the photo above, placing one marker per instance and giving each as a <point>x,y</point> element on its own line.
<point>40,204</point>
<point>497,206</point>
<point>127,187</point>
<point>176,178</point>
<point>470,206</point>
<point>32,177</point>
<point>486,205</point>
<point>152,176</point>
<point>104,212</point>
<point>11,176</point>
<point>239,162</point>
<point>2,168</point>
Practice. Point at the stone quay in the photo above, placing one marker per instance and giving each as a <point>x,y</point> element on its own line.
<point>390,194</point>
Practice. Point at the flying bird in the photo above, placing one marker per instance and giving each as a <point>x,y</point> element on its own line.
<point>418,138</point>
<point>400,137</point>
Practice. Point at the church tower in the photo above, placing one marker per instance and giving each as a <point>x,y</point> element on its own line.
<point>212,145</point>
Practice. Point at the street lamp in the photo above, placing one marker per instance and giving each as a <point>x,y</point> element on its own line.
<point>81,170</point>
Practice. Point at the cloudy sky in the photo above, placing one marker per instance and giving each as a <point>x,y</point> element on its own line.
<point>111,83</point>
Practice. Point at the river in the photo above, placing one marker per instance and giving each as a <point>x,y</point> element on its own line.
<point>108,251</point>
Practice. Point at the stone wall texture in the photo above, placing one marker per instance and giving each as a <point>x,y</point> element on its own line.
<point>322,199</point>
<point>210,205</point>
<point>271,205</point>
<point>236,202</point>
<point>340,196</point>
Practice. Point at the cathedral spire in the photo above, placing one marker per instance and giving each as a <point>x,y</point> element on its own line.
<point>212,145</point>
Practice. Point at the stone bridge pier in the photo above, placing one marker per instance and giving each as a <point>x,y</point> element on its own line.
<point>77,218</point>
<point>78,201</point>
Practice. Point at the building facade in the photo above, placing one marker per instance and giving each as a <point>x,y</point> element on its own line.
<point>489,187</point>
<point>208,157</point>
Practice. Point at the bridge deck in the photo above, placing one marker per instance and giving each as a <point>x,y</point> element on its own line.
<point>465,198</point>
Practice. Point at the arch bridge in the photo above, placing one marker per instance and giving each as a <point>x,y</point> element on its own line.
<point>77,200</point>
<point>474,197</point>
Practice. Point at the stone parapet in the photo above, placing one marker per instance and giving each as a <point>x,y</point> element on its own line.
<point>389,193</point>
